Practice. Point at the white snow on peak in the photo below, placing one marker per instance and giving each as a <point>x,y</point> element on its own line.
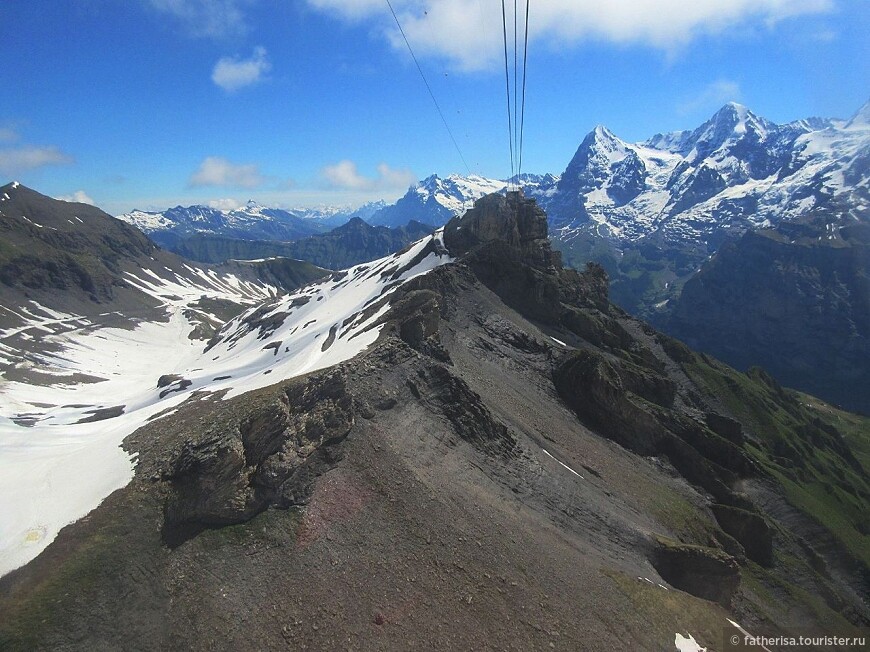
<point>146,221</point>
<point>57,463</point>
<point>608,145</point>
<point>456,192</point>
<point>15,184</point>
<point>744,170</point>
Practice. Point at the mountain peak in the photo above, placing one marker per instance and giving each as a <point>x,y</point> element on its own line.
<point>739,119</point>
<point>601,134</point>
<point>355,222</point>
<point>599,145</point>
<point>732,113</point>
<point>429,181</point>
<point>729,124</point>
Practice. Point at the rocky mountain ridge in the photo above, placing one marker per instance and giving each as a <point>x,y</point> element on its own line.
<point>402,498</point>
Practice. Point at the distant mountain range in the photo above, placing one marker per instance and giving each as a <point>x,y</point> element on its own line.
<point>249,222</point>
<point>620,203</point>
<point>653,212</point>
<point>65,266</point>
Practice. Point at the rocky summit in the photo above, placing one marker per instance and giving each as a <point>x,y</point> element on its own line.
<point>511,462</point>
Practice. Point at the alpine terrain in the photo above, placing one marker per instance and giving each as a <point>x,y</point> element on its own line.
<point>89,306</point>
<point>461,445</point>
<point>655,213</point>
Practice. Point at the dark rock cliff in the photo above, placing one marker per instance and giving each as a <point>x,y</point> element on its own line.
<point>795,301</point>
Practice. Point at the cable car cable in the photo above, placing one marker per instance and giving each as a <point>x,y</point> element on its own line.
<point>428,88</point>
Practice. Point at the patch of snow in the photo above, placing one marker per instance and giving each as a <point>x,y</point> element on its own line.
<point>547,453</point>
<point>684,644</point>
<point>558,342</point>
<point>745,633</point>
<point>27,219</point>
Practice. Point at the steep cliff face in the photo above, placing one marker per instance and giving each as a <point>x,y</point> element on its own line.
<point>795,300</point>
<point>514,462</point>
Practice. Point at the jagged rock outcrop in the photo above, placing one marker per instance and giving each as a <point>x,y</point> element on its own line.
<point>632,406</point>
<point>705,572</point>
<point>269,455</point>
<point>749,529</point>
<point>504,241</point>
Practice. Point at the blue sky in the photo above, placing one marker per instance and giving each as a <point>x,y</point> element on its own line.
<point>152,103</point>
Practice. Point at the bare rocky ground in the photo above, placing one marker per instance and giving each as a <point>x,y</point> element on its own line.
<point>467,483</point>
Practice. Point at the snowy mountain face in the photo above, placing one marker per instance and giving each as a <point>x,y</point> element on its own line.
<point>735,172</point>
<point>75,384</point>
<point>653,212</point>
<point>435,200</point>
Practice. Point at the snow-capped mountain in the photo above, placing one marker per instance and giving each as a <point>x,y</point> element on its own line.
<point>652,212</point>
<point>90,311</point>
<point>250,222</point>
<point>435,200</point>
<point>737,171</point>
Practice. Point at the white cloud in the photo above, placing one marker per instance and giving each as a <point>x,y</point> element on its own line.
<point>468,32</point>
<point>233,73</point>
<point>20,159</point>
<point>217,171</point>
<point>390,178</point>
<point>209,18</point>
<point>224,204</point>
<point>79,196</point>
<point>344,175</point>
<point>712,96</point>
